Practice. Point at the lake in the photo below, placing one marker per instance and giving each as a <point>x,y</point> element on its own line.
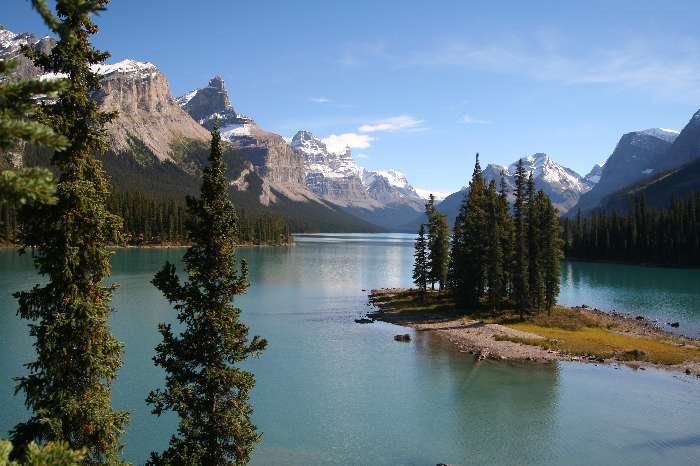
<point>333,392</point>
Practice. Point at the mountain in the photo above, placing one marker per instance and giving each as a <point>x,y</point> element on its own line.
<point>676,173</point>
<point>593,177</point>
<point>381,197</point>
<point>658,192</point>
<point>158,149</point>
<point>10,47</point>
<point>563,185</point>
<point>147,113</point>
<point>685,148</point>
<point>638,155</point>
<point>272,157</point>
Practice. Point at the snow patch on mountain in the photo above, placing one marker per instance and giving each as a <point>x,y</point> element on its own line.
<point>425,194</point>
<point>665,134</point>
<point>593,177</point>
<point>340,169</point>
<point>563,185</point>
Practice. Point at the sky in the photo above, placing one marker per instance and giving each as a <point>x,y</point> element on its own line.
<point>420,87</point>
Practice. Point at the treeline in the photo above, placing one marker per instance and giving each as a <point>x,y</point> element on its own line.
<point>148,220</point>
<point>642,236</point>
<point>498,257</point>
<point>152,221</point>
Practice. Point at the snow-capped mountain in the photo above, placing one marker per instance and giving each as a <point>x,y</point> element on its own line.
<point>324,167</point>
<point>10,47</point>
<point>563,185</point>
<point>212,102</point>
<point>638,155</point>
<point>593,176</point>
<point>336,177</point>
<point>271,155</point>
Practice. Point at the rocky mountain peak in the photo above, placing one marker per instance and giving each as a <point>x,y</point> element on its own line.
<point>668,135</point>
<point>209,103</point>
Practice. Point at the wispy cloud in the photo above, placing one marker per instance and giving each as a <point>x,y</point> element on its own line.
<point>469,120</point>
<point>338,143</point>
<point>393,124</point>
<point>668,67</point>
<point>638,64</point>
<point>320,100</point>
<point>362,156</point>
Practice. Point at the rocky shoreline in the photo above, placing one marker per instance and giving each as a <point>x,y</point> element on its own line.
<point>489,340</point>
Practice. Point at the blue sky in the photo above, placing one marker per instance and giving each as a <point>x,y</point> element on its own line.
<point>421,86</point>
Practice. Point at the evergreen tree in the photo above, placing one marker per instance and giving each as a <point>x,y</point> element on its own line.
<point>204,386</point>
<point>505,222</point>
<point>440,250</point>
<point>520,254</point>
<point>434,264</point>
<point>495,279</point>
<point>18,125</point>
<point>551,253</point>
<point>474,231</point>
<point>420,264</point>
<point>68,385</point>
<point>536,238</point>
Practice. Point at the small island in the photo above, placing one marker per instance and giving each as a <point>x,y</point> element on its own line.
<point>564,334</point>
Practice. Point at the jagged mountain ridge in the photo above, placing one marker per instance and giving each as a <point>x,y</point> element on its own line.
<point>158,149</point>
<point>270,154</point>
<point>638,155</point>
<point>563,185</point>
<point>676,173</point>
<point>382,197</point>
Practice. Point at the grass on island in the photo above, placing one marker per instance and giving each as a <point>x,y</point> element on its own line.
<point>571,331</point>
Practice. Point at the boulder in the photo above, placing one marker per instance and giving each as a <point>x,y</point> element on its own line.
<point>404,337</point>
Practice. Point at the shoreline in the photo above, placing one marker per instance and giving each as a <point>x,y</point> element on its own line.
<point>510,340</point>
<point>173,246</point>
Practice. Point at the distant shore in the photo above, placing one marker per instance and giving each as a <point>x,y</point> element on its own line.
<point>577,334</point>
<point>172,246</point>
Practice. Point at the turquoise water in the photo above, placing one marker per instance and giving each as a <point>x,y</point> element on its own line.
<point>333,392</point>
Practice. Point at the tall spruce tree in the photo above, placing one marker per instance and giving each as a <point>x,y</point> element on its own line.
<point>520,254</point>
<point>552,253</point>
<point>440,250</point>
<point>456,269</point>
<point>204,386</point>
<point>68,389</point>
<point>420,263</point>
<point>495,279</point>
<point>18,125</point>
<point>434,257</point>
<point>506,238</point>
<point>536,238</point>
<point>474,239</point>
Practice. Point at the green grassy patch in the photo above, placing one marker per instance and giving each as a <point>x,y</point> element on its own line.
<point>601,342</point>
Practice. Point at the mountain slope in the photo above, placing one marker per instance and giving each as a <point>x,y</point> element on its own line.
<point>637,156</point>
<point>680,179</point>
<point>140,94</point>
<point>381,197</point>
<point>563,185</point>
<point>158,149</point>
<point>685,148</point>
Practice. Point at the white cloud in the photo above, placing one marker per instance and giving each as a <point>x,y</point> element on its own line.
<point>397,123</point>
<point>338,143</point>
<point>468,120</point>
<point>320,100</point>
<point>361,156</point>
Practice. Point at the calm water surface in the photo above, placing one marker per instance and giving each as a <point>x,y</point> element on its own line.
<point>333,392</point>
